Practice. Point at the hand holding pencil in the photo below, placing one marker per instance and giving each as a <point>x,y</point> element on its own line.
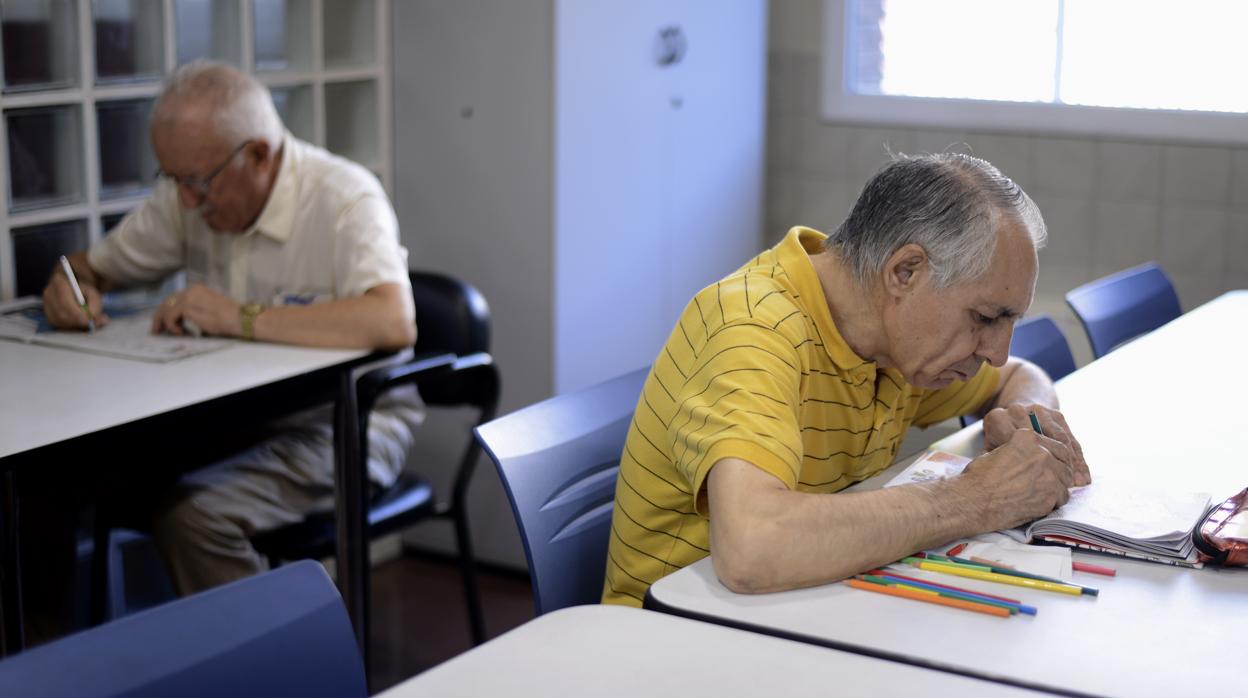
<point>1000,423</point>
<point>71,302</point>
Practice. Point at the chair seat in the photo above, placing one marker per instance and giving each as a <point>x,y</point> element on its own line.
<point>407,501</point>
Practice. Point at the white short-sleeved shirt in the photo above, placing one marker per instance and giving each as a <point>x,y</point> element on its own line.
<point>327,232</point>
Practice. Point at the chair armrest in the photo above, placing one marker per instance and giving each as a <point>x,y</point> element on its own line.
<point>374,383</point>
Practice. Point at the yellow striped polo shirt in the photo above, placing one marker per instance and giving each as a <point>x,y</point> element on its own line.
<point>756,370</point>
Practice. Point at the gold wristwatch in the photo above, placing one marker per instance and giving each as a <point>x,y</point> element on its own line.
<point>247,314</point>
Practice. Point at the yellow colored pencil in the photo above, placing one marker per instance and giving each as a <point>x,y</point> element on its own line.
<point>929,597</point>
<point>961,571</point>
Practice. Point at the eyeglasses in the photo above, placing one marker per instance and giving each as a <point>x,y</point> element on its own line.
<point>200,185</point>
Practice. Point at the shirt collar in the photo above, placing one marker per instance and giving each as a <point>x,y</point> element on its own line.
<point>794,255</point>
<point>276,221</point>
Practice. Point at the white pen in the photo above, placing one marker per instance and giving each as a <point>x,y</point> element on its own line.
<point>82,300</point>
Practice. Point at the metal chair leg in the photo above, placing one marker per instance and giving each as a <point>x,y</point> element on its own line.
<point>468,568</point>
<point>97,609</point>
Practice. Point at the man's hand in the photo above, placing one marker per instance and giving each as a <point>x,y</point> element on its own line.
<point>200,307</point>
<point>1024,479</point>
<point>62,308</point>
<point>1001,423</point>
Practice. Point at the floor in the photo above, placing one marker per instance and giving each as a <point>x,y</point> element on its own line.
<point>419,619</point>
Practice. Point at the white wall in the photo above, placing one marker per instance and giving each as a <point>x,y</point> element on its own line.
<point>1109,204</point>
<point>502,248</point>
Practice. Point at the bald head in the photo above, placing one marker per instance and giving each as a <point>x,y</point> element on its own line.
<point>207,98</point>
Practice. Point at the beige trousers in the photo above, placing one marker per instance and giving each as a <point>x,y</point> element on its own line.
<point>203,528</point>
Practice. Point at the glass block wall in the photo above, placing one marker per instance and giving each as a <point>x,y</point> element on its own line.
<point>78,79</point>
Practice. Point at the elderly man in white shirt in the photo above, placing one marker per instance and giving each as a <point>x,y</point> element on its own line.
<point>281,241</point>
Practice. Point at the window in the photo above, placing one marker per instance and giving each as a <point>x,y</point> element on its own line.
<point>1140,68</point>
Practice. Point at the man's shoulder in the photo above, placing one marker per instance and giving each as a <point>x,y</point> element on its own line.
<point>752,295</point>
<point>326,174</point>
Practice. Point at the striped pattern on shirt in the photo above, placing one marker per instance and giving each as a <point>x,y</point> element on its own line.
<point>756,370</point>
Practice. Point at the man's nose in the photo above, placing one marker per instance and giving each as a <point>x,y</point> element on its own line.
<point>189,196</point>
<point>994,344</point>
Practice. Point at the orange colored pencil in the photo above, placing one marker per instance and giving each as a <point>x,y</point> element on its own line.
<point>929,598</point>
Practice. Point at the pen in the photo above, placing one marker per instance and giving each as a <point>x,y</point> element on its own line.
<point>82,300</point>
<point>1035,423</point>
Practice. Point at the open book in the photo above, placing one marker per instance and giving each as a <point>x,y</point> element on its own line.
<point>127,335</point>
<point>1111,517</point>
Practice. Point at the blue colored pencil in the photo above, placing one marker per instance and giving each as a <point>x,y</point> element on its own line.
<point>958,593</point>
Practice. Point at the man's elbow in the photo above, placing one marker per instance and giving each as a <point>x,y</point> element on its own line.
<point>397,335</point>
<point>742,565</point>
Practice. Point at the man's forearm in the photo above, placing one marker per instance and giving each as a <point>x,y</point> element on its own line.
<point>772,539</point>
<point>87,274</point>
<point>365,322</point>
<point>1022,382</point>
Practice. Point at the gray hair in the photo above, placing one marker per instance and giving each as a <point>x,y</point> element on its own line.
<point>242,108</point>
<point>950,204</point>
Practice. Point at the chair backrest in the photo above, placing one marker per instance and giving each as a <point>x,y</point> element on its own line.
<point>558,460</point>
<point>284,633</point>
<point>1124,305</point>
<point>1039,340</point>
<point>451,315</point>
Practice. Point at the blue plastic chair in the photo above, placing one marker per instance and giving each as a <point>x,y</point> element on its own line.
<point>1124,305</point>
<point>282,633</point>
<point>1039,340</point>
<point>558,460</point>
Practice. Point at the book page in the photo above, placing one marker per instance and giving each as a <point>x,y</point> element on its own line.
<point>127,335</point>
<point>1130,512</point>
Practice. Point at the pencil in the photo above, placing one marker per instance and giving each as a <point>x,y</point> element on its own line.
<point>1035,423</point>
<point>945,593</point>
<point>929,597</point>
<point>890,573</point>
<point>1094,569</point>
<point>951,592</point>
<point>1090,591</point>
<point>962,571</point>
<point>932,557</point>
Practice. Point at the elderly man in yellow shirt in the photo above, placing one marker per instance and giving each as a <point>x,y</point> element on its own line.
<point>799,374</point>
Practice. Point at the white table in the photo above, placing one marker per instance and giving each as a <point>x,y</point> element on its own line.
<point>626,652</point>
<point>1154,629</point>
<point>51,396</point>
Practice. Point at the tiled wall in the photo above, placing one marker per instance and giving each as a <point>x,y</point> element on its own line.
<point>1108,204</point>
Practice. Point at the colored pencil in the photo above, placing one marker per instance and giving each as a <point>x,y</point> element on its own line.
<point>957,549</point>
<point>952,592</point>
<point>962,571</point>
<point>890,573</point>
<point>932,557</point>
<point>1090,591</point>
<point>929,597</point>
<point>1094,569</point>
<point>991,563</point>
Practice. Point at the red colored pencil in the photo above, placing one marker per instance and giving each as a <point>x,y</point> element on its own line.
<point>1094,569</point>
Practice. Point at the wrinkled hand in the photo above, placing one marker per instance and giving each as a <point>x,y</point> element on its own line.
<point>1023,479</point>
<point>201,307</point>
<point>62,308</point>
<point>1001,423</point>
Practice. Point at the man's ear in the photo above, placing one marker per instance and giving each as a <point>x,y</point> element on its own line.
<point>260,152</point>
<point>905,269</point>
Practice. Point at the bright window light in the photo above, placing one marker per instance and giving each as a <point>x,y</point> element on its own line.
<point>1110,67</point>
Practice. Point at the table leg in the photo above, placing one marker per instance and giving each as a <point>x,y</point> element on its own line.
<point>10,572</point>
<point>349,495</point>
